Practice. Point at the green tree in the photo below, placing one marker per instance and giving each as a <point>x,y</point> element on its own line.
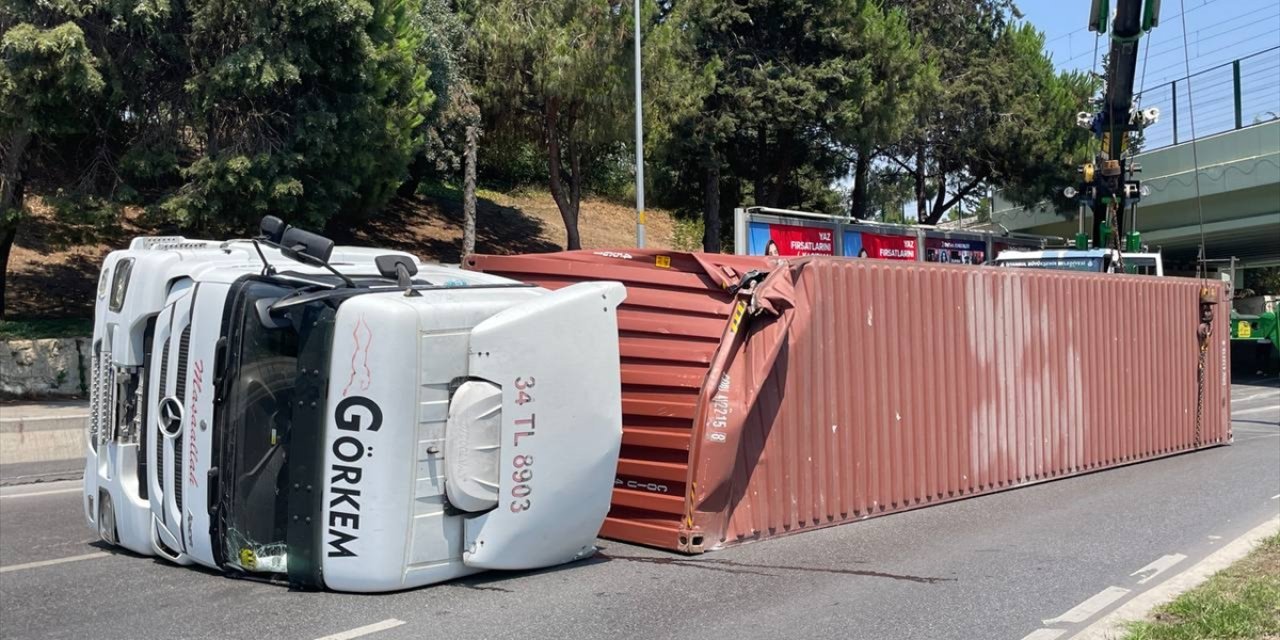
<point>883,94</point>
<point>442,152</point>
<point>887,193</point>
<point>796,87</point>
<point>49,84</point>
<point>453,128</point>
<point>307,109</point>
<point>999,115</point>
<point>559,72</point>
<point>212,113</point>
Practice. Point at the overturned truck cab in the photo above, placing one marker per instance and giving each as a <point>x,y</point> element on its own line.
<point>347,418</point>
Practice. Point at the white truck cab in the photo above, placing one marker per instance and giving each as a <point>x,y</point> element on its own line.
<point>349,418</point>
<point>1091,260</point>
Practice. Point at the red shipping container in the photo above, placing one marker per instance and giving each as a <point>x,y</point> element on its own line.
<point>765,396</point>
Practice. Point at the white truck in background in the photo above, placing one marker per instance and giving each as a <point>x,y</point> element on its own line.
<point>346,418</point>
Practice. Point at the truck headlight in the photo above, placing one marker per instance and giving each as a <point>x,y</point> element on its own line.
<point>120,283</point>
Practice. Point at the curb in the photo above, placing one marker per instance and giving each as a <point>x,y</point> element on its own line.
<point>42,439</point>
<point>1113,625</point>
<point>43,423</point>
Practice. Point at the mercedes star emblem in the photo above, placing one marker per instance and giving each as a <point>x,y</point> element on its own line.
<point>170,419</point>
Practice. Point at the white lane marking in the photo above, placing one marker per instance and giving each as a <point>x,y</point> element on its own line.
<point>1044,634</point>
<point>1276,497</point>
<point>1088,608</point>
<point>1265,394</point>
<point>1113,624</point>
<point>1158,566</point>
<point>39,493</point>
<point>49,563</point>
<point>1240,412</point>
<point>389,623</point>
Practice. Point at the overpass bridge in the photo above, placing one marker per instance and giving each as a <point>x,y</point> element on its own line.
<point>1237,150</point>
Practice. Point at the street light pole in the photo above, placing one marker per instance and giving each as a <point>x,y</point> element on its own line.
<point>639,139</point>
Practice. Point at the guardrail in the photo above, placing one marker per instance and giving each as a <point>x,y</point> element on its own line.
<point>1229,96</point>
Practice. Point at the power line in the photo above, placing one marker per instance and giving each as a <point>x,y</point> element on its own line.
<point>1086,28</point>
<point>1260,20</point>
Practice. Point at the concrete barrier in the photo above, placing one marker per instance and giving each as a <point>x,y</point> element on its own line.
<point>48,368</point>
<point>42,432</point>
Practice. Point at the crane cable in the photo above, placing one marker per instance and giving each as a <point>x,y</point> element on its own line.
<point>1142,86</point>
<point>1195,159</point>
<point>1094,147</point>
<point>1207,299</point>
<point>1114,210</point>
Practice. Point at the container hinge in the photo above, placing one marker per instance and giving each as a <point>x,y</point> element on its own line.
<point>748,282</point>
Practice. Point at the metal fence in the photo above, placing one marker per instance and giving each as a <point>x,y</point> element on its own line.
<point>1229,96</point>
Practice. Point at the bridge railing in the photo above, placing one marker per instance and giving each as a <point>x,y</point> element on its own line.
<point>1228,96</point>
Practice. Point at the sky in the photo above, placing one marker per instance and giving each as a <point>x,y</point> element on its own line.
<point>1217,33</point>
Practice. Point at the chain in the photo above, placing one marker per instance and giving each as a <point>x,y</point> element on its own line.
<point>1207,300</point>
<point>1204,348</point>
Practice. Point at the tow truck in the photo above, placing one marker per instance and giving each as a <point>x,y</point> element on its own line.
<point>346,418</point>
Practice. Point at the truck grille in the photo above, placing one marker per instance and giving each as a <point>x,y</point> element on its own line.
<point>184,343</point>
<point>163,386</point>
<point>95,396</point>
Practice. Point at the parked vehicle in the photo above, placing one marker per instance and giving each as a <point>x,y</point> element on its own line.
<point>346,418</point>
<point>1091,260</point>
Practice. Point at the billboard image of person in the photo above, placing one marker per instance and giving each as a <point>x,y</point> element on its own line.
<point>771,239</point>
<point>955,251</point>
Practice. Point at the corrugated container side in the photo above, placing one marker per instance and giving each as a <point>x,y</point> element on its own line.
<point>879,386</point>
<point>887,387</point>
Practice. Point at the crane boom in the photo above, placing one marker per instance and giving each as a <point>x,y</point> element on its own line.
<point>1109,188</point>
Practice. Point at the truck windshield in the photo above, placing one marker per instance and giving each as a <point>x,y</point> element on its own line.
<point>258,410</point>
<point>268,429</point>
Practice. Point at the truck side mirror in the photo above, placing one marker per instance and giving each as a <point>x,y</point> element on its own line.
<point>272,229</point>
<point>399,267</point>
<point>309,244</point>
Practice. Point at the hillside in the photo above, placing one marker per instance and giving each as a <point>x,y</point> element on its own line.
<point>53,269</point>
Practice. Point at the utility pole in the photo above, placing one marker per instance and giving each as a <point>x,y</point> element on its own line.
<point>639,138</point>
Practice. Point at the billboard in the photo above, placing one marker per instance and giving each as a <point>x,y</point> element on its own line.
<point>955,250</point>
<point>853,244</point>
<point>887,247</point>
<point>760,231</point>
<point>772,239</point>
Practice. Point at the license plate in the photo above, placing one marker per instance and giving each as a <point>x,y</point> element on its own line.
<point>1243,330</point>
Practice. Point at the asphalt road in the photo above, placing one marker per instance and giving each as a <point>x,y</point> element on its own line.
<point>991,567</point>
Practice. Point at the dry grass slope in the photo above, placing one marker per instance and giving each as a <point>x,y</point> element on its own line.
<point>54,265</point>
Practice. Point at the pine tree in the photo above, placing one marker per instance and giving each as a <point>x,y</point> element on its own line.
<point>559,73</point>
<point>49,83</point>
